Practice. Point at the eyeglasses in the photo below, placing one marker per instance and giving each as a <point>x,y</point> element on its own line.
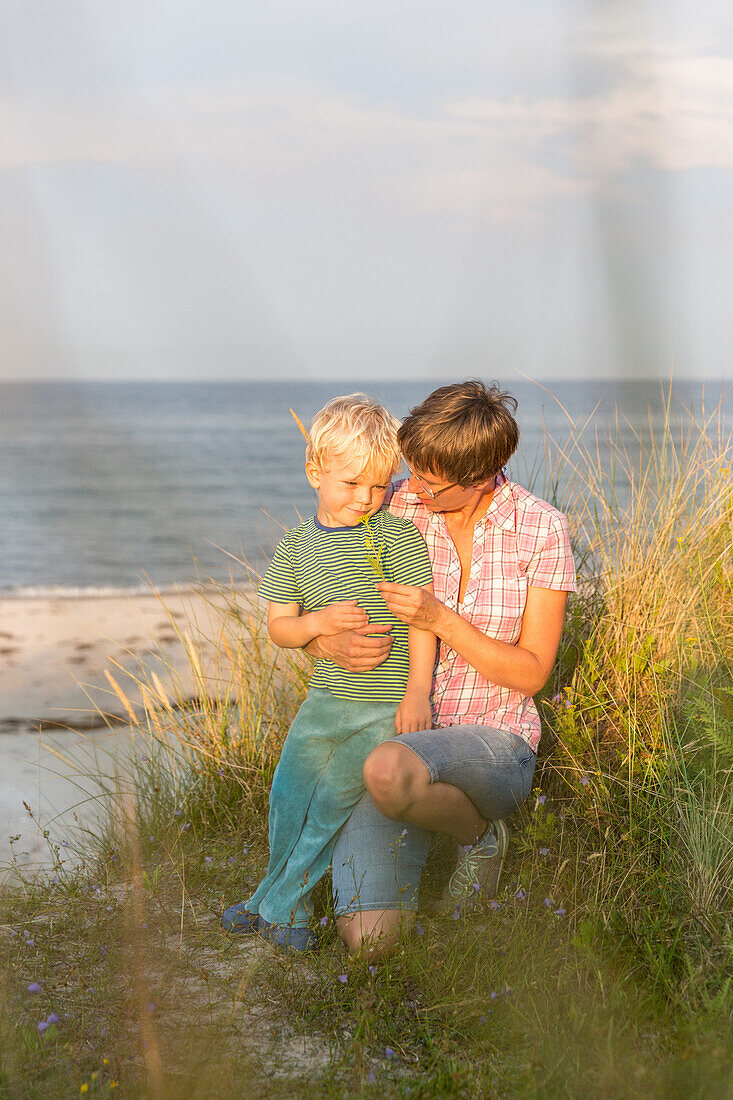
<point>432,493</point>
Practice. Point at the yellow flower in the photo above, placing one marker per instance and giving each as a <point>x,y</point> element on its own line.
<point>105,1061</point>
<point>113,1084</point>
<point>84,1087</point>
<point>95,1075</point>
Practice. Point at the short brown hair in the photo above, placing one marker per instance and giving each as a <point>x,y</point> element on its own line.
<point>464,432</point>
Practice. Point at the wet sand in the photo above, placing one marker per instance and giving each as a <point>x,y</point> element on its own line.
<point>61,723</point>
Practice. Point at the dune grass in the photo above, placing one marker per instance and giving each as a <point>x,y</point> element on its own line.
<point>602,969</point>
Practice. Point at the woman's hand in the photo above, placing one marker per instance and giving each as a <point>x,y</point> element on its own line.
<point>415,606</point>
<point>354,650</point>
<point>413,713</point>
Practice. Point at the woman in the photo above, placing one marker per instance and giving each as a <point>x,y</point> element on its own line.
<point>502,569</point>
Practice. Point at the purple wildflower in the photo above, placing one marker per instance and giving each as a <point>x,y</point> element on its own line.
<point>245,849</point>
<point>150,1007</point>
<point>52,1018</point>
<point>548,902</point>
<point>43,1025</point>
<point>557,698</point>
<point>541,799</point>
<point>323,922</point>
<point>494,904</point>
<point>177,813</point>
<point>494,994</point>
<point>584,780</point>
<point>372,970</point>
<point>457,913</point>
<point>419,930</point>
<point>544,851</point>
<point>221,771</point>
<point>144,758</point>
<point>404,832</point>
<point>208,859</point>
<point>372,1078</point>
<point>110,908</point>
<point>521,895</point>
<point>232,860</point>
<point>151,838</point>
<point>34,987</point>
<point>560,912</point>
<point>30,942</point>
<point>13,932</point>
<point>482,1019</point>
<point>343,978</point>
<point>144,924</point>
<point>388,1052</point>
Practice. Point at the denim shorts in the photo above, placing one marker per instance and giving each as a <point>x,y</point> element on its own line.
<point>377,863</point>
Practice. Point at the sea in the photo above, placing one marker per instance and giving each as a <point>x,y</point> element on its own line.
<point>107,486</point>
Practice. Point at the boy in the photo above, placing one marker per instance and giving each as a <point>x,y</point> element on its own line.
<point>322,580</point>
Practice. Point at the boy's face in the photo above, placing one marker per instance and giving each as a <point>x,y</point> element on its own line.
<point>347,490</point>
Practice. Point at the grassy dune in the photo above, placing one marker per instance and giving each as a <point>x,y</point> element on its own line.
<point>604,968</point>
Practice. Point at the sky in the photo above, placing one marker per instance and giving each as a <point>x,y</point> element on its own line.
<point>389,189</point>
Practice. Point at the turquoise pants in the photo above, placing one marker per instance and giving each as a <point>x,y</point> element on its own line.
<point>316,785</point>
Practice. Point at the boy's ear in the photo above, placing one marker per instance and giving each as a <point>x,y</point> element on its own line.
<point>313,473</point>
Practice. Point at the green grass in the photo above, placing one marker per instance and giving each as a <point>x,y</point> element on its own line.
<point>620,986</point>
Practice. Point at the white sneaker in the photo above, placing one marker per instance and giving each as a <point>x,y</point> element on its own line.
<point>479,866</point>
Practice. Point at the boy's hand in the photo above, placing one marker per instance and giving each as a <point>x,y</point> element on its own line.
<point>338,617</point>
<point>413,713</point>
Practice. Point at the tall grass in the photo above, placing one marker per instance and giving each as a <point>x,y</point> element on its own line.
<point>603,968</point>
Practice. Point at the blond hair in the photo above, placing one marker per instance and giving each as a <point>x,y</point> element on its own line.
<point>358,425</point>
<point>464,432</point>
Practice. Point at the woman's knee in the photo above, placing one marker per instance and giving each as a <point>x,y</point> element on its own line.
<point>390,778</point>
<point>375,932</point>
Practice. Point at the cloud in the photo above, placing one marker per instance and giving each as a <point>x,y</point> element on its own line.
<point>492,157</point>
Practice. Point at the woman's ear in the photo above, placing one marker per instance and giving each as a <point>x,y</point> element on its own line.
<point>313,473</point>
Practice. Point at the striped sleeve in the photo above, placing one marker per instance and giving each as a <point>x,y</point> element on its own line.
<point>279,584</point>
<point>409,561</point>
<point>551,565</point>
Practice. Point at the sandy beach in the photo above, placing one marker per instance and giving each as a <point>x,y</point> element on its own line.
<point>54,696</point>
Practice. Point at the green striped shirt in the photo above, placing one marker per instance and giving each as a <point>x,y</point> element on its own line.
<point>315,566</point>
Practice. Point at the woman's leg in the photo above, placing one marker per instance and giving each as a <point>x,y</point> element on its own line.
<point>375,932</point>
<point>401,787</point>
<point>376,866</point>
<point>452,780</point>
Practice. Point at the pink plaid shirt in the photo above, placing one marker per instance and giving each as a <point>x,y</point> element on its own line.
<point>520,542</point>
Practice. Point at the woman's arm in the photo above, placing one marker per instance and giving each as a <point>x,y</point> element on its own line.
<point>524,666</point>
<point>290,629</point>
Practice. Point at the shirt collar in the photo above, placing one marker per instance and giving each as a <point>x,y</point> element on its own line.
<point>503,510</point>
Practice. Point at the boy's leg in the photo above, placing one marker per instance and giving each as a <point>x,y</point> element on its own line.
<point>304,754</point>
<point>336,792</point>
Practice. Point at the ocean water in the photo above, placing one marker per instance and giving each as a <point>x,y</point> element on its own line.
<point>113,485</point>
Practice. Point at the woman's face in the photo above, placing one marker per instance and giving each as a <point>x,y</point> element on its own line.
<point>439,495</point>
